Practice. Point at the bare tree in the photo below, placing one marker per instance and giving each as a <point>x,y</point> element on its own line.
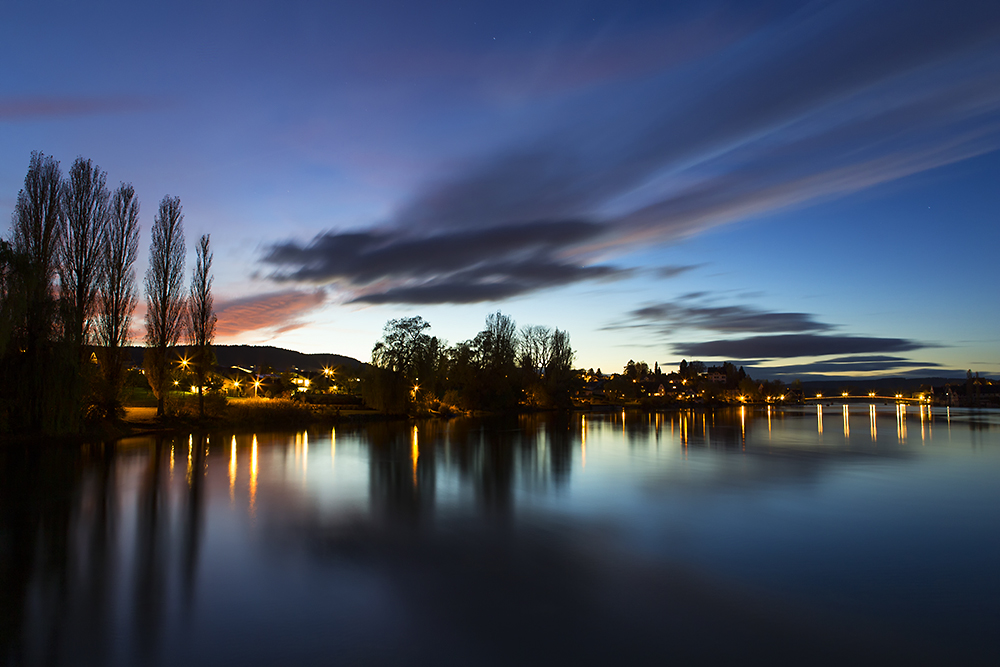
<point>37,223</point>
<point>164,300</point>
<point>117,294</point>
<point>498,343</point>
<point>36,402</point>
<point>560,361</point>
<point>535,348</point>
<point>201,316</point>
<point>85,202</point>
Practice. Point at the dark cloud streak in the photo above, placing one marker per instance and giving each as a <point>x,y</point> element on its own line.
<point>463,266</point>
<point>794,345</point>
<point>733,319</point>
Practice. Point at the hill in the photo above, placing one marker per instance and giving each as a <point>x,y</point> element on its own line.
<point>251,356</point>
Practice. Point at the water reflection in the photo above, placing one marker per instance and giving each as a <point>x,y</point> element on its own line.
<point>252,510</point>
<point>481,535</point>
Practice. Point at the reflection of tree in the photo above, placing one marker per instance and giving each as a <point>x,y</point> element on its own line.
<point>557,430</point>
<point>401,472</point>
<point>194,518</point>
<point>489,454</point>
<point>151,543</point>
<point>59,531</point>
<point>39,491</point>
<point>98,584</point>
<point>495,475</point>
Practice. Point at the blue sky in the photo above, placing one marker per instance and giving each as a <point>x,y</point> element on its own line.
<point>801,187</point>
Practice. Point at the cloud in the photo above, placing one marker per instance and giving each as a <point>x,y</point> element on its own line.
<point>794,345</point>
<point>279,311</point>
<point>848,366</point>
<point>730,319</point>
<point>675,270</point>
<point>452,266</point>
<point>31,108</point>
<point>826,101</point>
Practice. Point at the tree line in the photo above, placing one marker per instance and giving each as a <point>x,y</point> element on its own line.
<point>502,368</point>
<point>68,293</point>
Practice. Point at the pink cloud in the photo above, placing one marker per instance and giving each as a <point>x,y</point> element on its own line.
<point>275,310</point>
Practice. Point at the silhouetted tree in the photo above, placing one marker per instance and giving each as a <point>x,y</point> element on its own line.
<point>117,294</point>
<point>534,344</point>
<point>38,400</point>
<point>402,343</point>
<point>85,200</point>
<point>202,319</point>
<point>498,345</point>
<point>495,387</point>
<point>85,203</point>
<point>164,300</point>
<point>559,371</point>
<point>10,307</point>
<point>395,360</point>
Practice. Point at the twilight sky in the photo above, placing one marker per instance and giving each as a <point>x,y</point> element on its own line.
<point>794,186</point>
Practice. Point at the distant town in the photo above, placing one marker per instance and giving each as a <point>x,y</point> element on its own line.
<point>336,380</point>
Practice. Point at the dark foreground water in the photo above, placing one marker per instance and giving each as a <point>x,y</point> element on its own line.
<point>860,535</point>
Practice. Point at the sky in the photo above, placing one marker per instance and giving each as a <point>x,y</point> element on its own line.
<point>801,188</point>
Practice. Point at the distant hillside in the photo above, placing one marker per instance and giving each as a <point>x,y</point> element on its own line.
<point>250,356</point>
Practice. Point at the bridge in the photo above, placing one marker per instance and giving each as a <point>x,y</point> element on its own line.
<point>896,398</point>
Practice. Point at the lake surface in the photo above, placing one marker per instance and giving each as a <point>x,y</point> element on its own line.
<point>819,534</point>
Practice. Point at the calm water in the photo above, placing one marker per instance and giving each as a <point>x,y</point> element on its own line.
<point>868,534</point>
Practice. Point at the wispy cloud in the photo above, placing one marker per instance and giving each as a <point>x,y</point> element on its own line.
<point>276,311</point>
<point>849,366</point>
<point>731,319</point>
<point>830,100</point>
<point>675,270</point>
<point>36,107</point>
<point>794,345</point>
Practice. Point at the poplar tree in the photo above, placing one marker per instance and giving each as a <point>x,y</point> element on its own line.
<point>201,319</point>
<point>36,401</point>
<point>85,202</point>
<point>164,299</point>
<point>117,294</point>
